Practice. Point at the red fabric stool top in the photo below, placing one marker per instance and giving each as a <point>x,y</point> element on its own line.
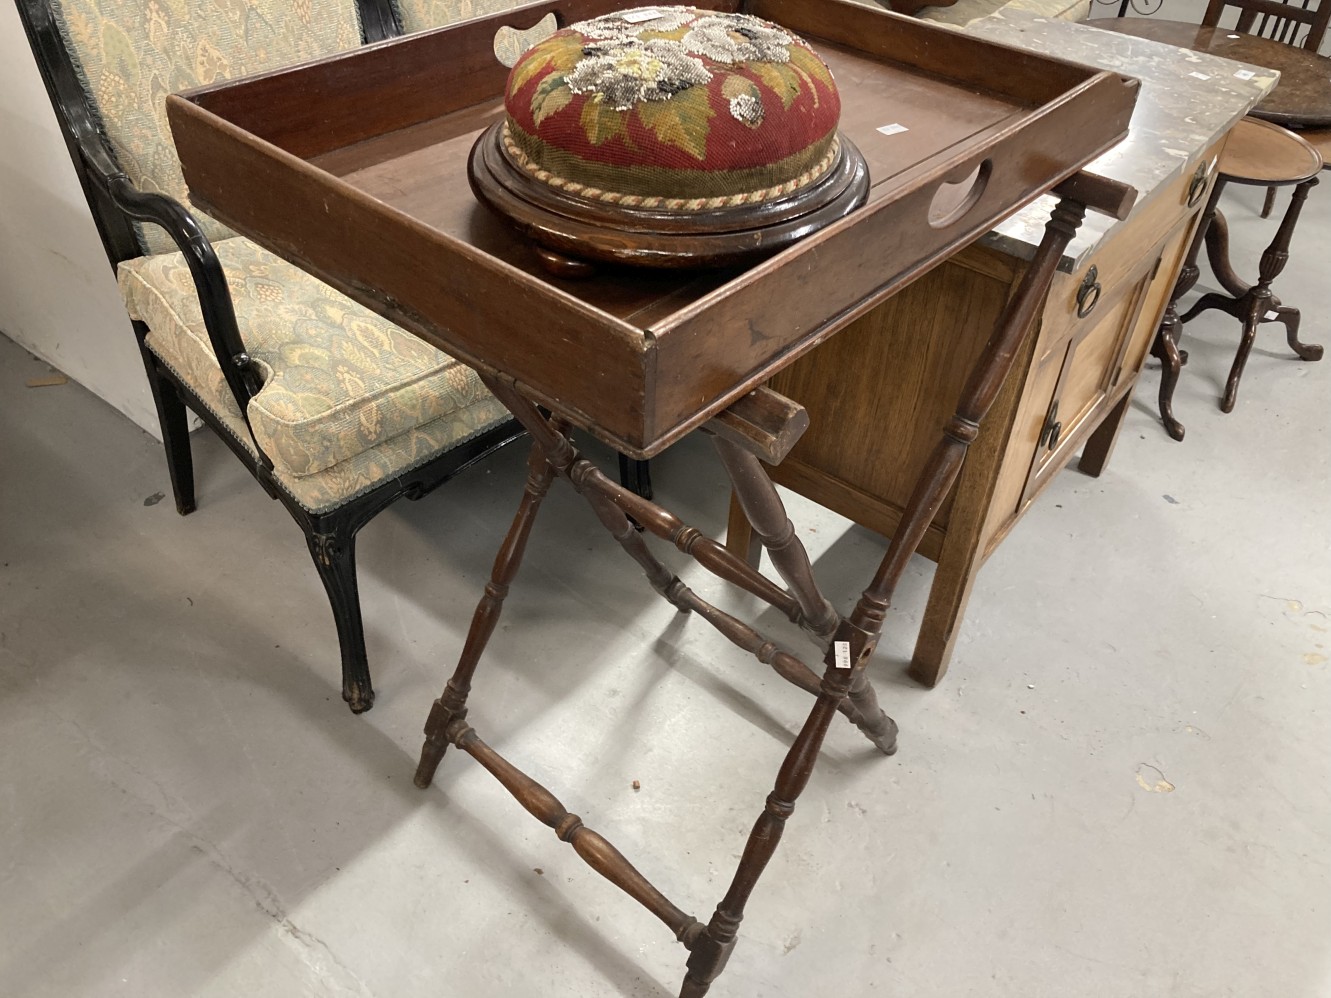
<point>673,108</point>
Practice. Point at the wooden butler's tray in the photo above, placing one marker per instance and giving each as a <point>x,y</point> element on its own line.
<point>354,168</point>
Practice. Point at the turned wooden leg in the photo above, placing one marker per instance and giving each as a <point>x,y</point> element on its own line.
<point>452,704</point>
<point>711,950</point>
<point>740,538</point>
<point>944,463</point>
<point>763,508</point>
<point>1258,300</point>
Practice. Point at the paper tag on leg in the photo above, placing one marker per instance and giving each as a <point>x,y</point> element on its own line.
<point>842,651</point>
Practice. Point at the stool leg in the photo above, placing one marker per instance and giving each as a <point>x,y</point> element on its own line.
<point>452,703</point>
<point>1260,300</point>
<point>1269,202</point>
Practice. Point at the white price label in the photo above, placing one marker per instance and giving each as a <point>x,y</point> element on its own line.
<point>842,651</point>
<point>1199,76</point>
<point>1244,74</point>
<point>638,16</point>
<point>892,129</point>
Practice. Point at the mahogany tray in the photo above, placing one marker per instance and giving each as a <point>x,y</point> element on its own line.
<point>354,168</point>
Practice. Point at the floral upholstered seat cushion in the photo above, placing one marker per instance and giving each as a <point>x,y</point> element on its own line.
<point>338,380</point>
<point>672,107</point>
<point>132,53</point>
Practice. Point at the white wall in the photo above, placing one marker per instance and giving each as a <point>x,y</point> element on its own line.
<point>58,295</point>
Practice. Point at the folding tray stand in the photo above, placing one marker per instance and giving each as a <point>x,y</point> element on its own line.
<point>354,168</point>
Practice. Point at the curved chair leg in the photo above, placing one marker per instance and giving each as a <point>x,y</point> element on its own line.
<point>172,416</point>
<point>335,558</point>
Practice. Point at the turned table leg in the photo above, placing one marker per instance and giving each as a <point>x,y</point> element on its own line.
<point>1256,304</point>
<point>452,703</point>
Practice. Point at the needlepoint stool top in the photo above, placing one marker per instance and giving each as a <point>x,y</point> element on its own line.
<point>673,108</point>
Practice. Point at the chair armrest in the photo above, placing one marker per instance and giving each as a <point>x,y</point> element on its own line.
<point>219,316</point>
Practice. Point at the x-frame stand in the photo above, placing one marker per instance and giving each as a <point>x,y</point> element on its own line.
<point>847,642</point>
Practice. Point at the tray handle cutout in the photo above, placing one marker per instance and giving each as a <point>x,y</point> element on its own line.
<point>953,199</point>
<point>510,43</point>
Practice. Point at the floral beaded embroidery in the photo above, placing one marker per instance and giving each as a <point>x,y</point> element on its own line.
<point>622,69</point>
<point>623,74</point>
<point>672,102</point>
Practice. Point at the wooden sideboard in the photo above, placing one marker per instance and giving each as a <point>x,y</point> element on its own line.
<point>898,368</point>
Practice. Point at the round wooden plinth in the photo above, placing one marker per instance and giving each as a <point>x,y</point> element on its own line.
<point>570,231</point>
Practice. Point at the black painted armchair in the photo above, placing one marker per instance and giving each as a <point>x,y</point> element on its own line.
<point>335,411</point>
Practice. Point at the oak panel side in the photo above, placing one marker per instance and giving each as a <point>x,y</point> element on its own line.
<point>879,392</point>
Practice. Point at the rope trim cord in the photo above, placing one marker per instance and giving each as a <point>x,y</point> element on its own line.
<point>518,156</point>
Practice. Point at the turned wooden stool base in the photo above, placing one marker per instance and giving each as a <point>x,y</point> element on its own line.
<point>1257,154</point>
<point>571,232</point>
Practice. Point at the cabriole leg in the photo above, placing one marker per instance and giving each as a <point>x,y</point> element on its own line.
<point>334,554</point>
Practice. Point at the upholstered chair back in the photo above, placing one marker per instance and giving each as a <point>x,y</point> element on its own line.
<point>418,15</point>
<point>131,53</point>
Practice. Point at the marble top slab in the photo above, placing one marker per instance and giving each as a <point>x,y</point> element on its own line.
<point>1187,100</point>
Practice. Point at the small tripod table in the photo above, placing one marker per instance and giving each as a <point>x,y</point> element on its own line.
<point>353,167</point>
<point>1257,154</point>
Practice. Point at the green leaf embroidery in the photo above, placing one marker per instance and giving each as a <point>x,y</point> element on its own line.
<point>601,124</point>
<point>550,97</point>
<point>737,86</point>
<point>558,54</point>
<point>780,78</point>
<point>808,61</point>
<point>683,121</point>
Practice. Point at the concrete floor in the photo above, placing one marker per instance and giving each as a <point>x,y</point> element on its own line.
<point>1123,787</point>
